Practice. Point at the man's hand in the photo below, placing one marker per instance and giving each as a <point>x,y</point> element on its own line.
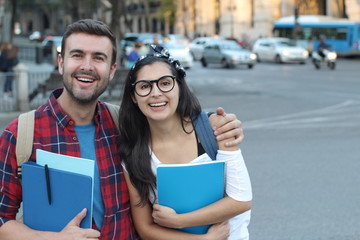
<point>228,127</point>
<point>73,231</point>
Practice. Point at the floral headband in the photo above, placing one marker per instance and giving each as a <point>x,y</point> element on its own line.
<point>161,52</point>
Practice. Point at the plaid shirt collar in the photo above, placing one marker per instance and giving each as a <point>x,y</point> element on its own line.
<point>62,117</point>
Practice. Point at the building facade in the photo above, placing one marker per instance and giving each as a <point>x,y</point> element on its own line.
<point>240,19</point>
<point>251,19</point>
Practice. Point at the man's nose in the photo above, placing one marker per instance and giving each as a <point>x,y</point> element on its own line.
<point>87,64</point>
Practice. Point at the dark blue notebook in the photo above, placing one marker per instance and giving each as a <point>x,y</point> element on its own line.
<point>188,187</point>
<point>70,193</point>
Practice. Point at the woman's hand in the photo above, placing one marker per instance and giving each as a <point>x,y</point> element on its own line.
<point>165,216</point>
<point>219,231</point>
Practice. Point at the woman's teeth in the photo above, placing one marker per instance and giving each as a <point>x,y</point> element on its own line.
<point>158,104</point>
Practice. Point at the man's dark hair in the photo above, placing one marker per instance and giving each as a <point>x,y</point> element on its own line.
<point>93,27</point>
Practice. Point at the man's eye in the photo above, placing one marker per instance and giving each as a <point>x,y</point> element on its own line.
<point>98,58</point>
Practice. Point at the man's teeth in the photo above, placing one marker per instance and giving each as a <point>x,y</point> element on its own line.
<point>85,80</point>
<point>158,104</point>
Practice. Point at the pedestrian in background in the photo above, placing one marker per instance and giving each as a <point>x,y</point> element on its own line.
<point>134,54</point>
<point>8,61</point>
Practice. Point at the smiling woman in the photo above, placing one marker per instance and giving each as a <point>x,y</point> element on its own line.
<point>155,127</point>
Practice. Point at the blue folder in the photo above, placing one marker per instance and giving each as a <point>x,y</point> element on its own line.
<point>70,193</point>
<point>188,187</point>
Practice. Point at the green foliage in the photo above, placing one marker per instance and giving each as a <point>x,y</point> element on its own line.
<point>167,9</point>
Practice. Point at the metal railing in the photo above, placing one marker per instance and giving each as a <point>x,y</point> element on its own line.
<point>31,89</point>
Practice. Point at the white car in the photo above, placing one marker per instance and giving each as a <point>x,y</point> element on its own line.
<point>181,53</point>
<point>198,44</point>
<point>227,53</point>
<point>279,50</point>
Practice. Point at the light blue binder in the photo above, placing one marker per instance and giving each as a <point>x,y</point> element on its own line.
<point>188,187</point>
<point>70,193</point>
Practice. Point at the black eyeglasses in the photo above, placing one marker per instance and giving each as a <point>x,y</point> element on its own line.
<point>143,87</point>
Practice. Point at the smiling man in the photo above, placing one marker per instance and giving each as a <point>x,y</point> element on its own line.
<point>74,122</point>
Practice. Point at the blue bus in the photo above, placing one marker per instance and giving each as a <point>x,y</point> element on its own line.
<point>343,35</point>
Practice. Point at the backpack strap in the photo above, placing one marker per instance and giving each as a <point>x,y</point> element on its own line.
<point>205,134</point>
<point>24,144</point>
<point>25,137</point>
<point>114,111</point>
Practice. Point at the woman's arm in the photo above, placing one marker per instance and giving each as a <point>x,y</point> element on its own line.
<point>237,201</point>
<point>147,229</point>
<point>219,211</point>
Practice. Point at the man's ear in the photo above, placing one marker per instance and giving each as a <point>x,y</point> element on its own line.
<point>112,71</point>
<point>60,64</point>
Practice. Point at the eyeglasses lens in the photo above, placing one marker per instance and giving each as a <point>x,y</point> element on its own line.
<point>165,84</point>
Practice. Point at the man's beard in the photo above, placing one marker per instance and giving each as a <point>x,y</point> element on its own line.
<point>91,98</point>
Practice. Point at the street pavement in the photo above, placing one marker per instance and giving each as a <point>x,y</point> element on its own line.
<point>302,138</point>
<point>301,147</point>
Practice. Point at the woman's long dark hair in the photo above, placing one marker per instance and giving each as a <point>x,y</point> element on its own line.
<point>135,131</point>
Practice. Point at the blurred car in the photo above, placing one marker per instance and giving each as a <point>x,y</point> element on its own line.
<point>128,42</point>
<point>51,43</point>
<point>176,39</point>
<point>227,53</point>
<point>198,44</point>
<point>279,50</point>
<point>148,38</point>
<point>51,47</point>
<point>36,36</point>
<point>181,53</point>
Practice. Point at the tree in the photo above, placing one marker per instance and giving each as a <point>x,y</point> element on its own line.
<point>116,11</point>
<point>167,9</point>
<point>7,31</point>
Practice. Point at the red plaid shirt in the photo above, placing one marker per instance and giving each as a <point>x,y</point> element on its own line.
<point>54,132</point>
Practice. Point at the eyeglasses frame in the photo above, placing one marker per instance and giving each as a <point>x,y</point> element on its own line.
<point>152,83</point>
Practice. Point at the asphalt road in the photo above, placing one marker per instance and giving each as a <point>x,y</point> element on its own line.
<point>302,144</point>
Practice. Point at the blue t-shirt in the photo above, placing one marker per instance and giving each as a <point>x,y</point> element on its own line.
<point>86,136</point>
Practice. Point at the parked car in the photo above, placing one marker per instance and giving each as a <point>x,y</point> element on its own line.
<point>148,38</point>
<point>176,39</point>
<point>51,47</point>
<point>198,44</point>
<point>227,53</point>
<point>279,50</point>
<point>36,36</point>
<point>180,52</point>
<point>128,42</point>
